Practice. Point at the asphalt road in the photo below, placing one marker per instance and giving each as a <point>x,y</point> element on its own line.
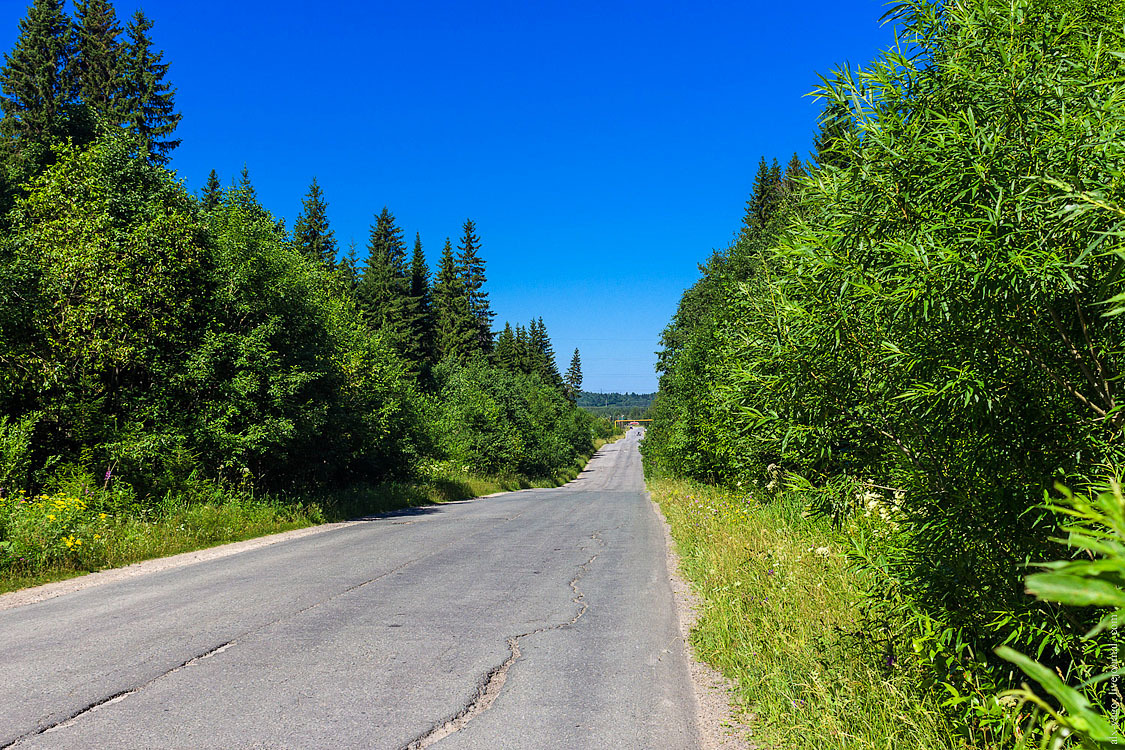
<point>535,619</point>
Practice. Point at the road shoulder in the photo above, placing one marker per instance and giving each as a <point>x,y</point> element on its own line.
<point>719,728</point>
<point>145,567</point>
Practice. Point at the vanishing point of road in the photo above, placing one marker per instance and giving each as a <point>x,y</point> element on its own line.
<point>533,619</point>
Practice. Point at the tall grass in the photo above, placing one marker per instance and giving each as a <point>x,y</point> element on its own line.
<point>781,617</point>
<point>77,529</point>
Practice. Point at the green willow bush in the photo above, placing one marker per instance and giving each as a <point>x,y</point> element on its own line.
<point>926,313</point>
<point>1091,712</point>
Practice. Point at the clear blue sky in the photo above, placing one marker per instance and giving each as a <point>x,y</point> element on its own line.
<point>603,148</point>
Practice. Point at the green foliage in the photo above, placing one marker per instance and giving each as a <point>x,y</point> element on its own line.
<point>1090,712</point>
<point>150,109</point>
<point>97,68</point>
<point>573,382</point>
<point>496,422</point>
<point>925,312</point>
<point>287,384</point>
<point>36,83</point>
<point>455,331</point>
<point>312,235</point>
<point>110,299</point>
<point>15,452</point>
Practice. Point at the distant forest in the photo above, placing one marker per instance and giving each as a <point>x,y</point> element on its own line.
<point>616,405</point>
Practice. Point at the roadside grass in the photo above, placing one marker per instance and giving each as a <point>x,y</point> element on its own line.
<point>780,617</point>
<point>76,530</point>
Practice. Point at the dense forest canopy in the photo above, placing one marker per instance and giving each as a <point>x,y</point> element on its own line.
<point>149,336</point>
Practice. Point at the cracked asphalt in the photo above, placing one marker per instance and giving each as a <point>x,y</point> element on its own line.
<point>533,619</point>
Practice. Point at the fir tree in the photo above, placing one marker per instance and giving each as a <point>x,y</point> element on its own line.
<point>422,304</point>
<point>505,354</point>
<point>212,192</point>
<point>245,196</point>
<point>763,200</point>
<point>573,381</point>
<point>150,109</point>
<point>348,268</point>
<point>543,353</point>
<point>35,81</point>
<point>793,173</point>
<point>471,267</point>
<point>455,332</point>
<point>311,233</point>
<point>98,65</point>
<point>384,288</point>
<point>526,358</point>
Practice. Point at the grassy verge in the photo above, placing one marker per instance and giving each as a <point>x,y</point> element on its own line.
<point>74,530</point>
<point>780,614</point>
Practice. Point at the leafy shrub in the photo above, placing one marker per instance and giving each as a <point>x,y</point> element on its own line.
<point>497,422</point>
<point>925,311</point>
<point>15,451</point>
<point>58,529</point>
<point>1091,711</point>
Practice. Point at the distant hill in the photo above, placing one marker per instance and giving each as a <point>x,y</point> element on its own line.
<point>616,405</point>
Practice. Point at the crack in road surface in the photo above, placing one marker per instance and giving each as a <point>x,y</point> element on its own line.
<point>122,695</point>
<point>492,684</point>
<point>116,698</point>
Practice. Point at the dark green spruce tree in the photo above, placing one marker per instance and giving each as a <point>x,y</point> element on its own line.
<point>384,287</point>
<point>543,354</point>
<point>37,89</point>
<point>455,333</point>
<point>98,64</point>
<point>212,192</point>
<point>505,354</point>
<point>471,267</point>
<point>573,380</point>
<point>243,195</point>
<point>150,108</point>
<point>763,201</point>
<point>311,233</point>
<point>527,361</point>
<point>422,308</point>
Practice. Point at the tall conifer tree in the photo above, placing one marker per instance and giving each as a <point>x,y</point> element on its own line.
<point>384,287</point>
<point>505,354</point>
<point>150,109</point>
<point>311,233</point>
<point>454,329</point>
<point>543,353</point>
<point>245,196</point>
<point>471,266</point>
<point>212,192</point>
<point>422,304</point>
<point>573,381</point>
<point>98,64</point>
<point>37,89</point>
<point>348,268</point>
